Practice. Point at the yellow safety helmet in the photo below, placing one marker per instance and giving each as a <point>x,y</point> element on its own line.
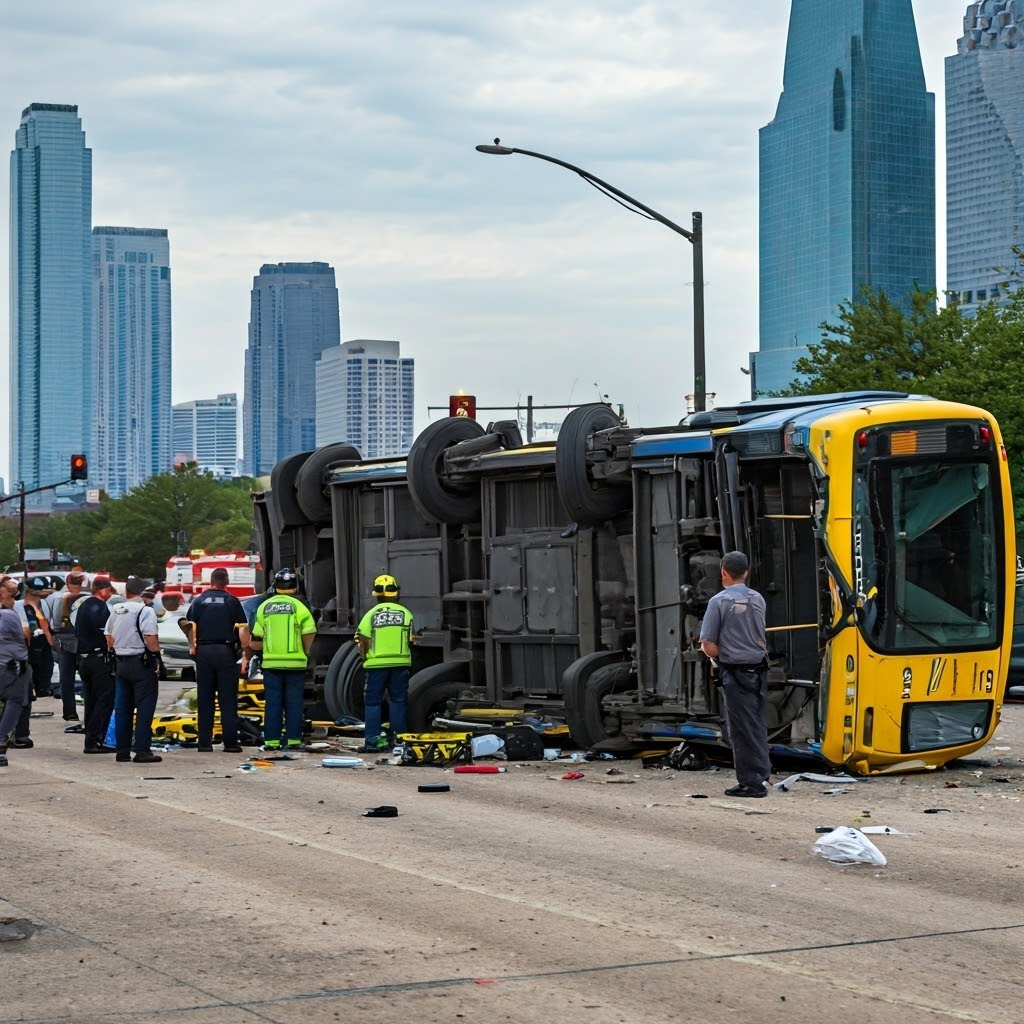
<point>385,586</point>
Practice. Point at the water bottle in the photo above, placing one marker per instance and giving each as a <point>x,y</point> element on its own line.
<point>486,745</point>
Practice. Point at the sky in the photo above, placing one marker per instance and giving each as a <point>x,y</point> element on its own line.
<point>344,131</point>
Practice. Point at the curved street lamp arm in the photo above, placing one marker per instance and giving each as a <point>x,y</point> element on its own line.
<point>594,179</point>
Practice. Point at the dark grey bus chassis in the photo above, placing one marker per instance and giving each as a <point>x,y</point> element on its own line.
<point>533,603</point>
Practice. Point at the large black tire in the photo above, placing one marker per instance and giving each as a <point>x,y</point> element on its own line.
<point>430,689</point>
<point>587,501</point>
<point>309,482</point>
<point>282,490</point>
<point>584,691</point>
<point>436,499</point>
<point>344,682</point>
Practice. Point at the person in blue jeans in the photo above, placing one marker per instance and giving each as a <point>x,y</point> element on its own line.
<point>384,635</point>
<point>282,634</point>
<point>131,633</point>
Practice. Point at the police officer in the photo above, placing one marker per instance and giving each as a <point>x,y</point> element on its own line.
<point>58,606</point>
<point>282,633</point>
<point>733,633</point>
<point>217,617</point>
<point>131,633</point>
<point>95,665</point>
<point>14,679</point>
<point>383,637</point>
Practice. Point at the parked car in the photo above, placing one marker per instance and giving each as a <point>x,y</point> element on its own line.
<point>173,643</point>
<point>1015,678</point>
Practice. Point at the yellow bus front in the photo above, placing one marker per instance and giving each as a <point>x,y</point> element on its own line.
<point>917,522</point>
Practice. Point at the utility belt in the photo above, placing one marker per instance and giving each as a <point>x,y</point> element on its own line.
<point>15,666</point>
<point>763,663</point>
<point>216,643</point>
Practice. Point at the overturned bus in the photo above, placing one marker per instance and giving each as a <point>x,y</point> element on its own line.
<point>571,579</point>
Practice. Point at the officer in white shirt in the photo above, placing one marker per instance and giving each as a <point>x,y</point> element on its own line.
<point>131,633</point>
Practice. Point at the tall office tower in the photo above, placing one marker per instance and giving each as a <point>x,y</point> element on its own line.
<point>364,397</point>
<point>985,151</point>
<point>293,318</point>
<point>206,432</point>
<point>847,175</point>
<point>50,314</point>
<point>131,374</point>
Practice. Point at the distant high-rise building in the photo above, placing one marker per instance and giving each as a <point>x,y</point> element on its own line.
<point>847,175</point>
<point>364,397</point>
<point>131,374</point>
<point>206,432</point>
<point>985,151</point>
<point>50,300</point>
<point>293,318</point>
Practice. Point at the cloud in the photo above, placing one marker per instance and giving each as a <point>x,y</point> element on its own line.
<point>344,132</point>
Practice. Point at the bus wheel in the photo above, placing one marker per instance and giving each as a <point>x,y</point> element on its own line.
<point>430,689</point>
<point>309,482</point>
<point>587,720</point>
<point>586,500</point>
<point>344,682</point>
<point>438,500</point>
<point>282,490</point>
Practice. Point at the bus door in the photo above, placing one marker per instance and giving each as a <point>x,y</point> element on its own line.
<point>677,551</point>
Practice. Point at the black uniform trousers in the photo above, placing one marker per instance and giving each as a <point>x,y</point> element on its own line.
<point>217,679</point>
<point>98,692</point>
<point>744,688</point>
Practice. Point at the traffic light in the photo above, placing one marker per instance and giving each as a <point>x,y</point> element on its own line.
<point>462,405</point>
<point>79,467</point>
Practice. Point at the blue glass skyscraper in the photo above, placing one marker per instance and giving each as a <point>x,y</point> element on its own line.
<point>50,314</point>
<point>985,151</point>
<point>293,318</point>
<point>847,175</point>
<point>131,372</point>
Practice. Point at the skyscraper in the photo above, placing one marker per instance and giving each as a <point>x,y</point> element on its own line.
<point>985,151</point>
<point>847,175</point>
<point>293,318</point>
<point>206,432</point>
<point>131,375</point>
<point>364,397</point>
<point>50,314</point>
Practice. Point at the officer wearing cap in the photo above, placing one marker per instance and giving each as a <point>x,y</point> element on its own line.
<point>283,632</point>
<point>383,636</point>
<point>131,633</point>
<point>95,665</point>
<point>733,633</point>
<point>216,618</point>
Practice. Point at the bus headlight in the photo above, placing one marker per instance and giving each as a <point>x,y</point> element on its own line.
<point>945,724</point>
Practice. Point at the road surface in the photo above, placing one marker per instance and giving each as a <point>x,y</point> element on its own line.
<point>191,892</point>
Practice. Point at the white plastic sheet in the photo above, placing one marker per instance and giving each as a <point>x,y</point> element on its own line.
<point>787,784</point>
<point>846,845</point>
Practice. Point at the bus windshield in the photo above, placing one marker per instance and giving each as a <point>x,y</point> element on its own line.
<point>929,555</point>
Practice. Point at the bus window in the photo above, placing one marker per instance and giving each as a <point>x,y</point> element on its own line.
<point>929,550</point>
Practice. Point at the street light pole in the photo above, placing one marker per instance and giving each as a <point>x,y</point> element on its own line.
<point>695,237</point>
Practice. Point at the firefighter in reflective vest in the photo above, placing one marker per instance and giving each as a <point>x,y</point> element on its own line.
<point>383,636</point>
<point>283,633</point>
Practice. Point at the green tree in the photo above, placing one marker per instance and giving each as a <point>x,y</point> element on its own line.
<point>141,529</point>
<point>931,350</point>
<point>878,346</point>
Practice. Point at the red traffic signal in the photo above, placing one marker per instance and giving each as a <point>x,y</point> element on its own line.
<point>462,405</point>
<point>79,467</point>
